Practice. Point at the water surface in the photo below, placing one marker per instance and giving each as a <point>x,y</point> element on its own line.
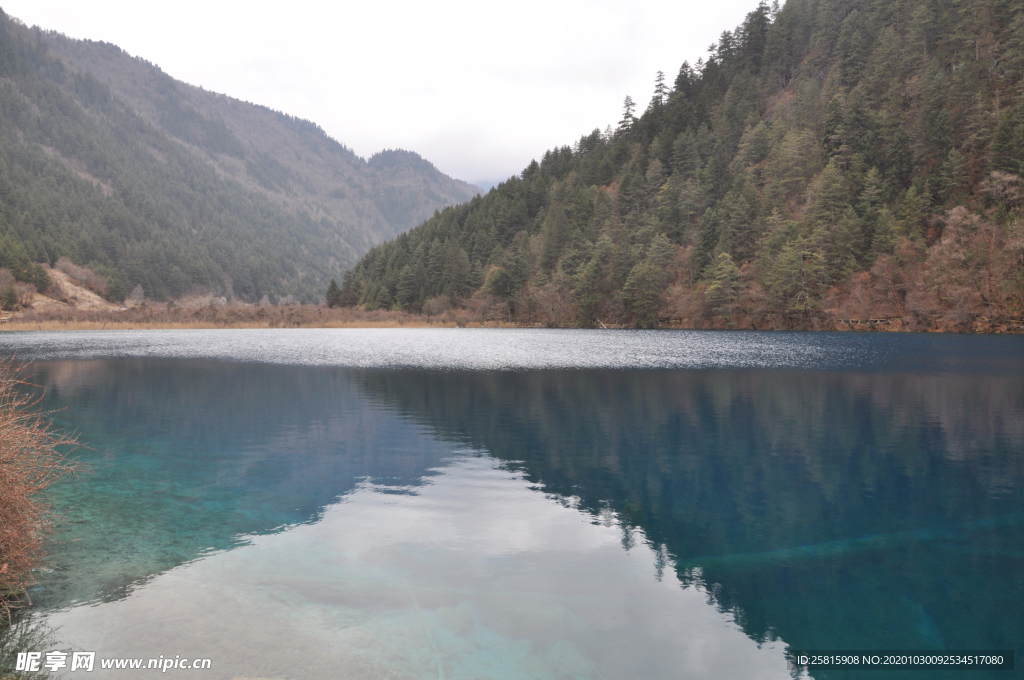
<point>534,504</point>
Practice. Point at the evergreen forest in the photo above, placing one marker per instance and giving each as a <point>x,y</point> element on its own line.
<point>858,160</point>
<point>158,186</point>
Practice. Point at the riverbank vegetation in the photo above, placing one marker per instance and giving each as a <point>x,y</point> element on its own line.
<point>855,161</point>
<point>156,316</point>
<point>483,312</point>
<point>33,455</point>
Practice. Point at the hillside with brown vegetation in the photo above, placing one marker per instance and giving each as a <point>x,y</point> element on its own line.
<point>832,164</point>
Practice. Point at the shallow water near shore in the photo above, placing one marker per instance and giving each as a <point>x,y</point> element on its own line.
<point>532,504</point>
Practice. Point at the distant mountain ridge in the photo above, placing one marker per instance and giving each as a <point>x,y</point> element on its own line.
<point>194,189</point>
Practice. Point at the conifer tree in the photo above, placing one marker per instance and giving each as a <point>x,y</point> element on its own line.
<point>723,279</point>
<point>642,294</point>
<point>628,106</point>
<point>660,90</point>
<point>1007,152</point>
<point>587,293</point>
<point>333,295</point>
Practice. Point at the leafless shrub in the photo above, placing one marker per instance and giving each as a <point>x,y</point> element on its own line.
<point>1015,242</point>
<point>82,275</point>
<point>1004,188</point>
<point>554,300</point>
<point>484,308</point>
<point>889,282</point>
<point>137,296</point>
<point>963,302</point>
<point>32,457</point>
<point>855,299</point>
<point>436,306</point>
<point>26,293</point>
<point>683,303</point>
<point>960,224</point>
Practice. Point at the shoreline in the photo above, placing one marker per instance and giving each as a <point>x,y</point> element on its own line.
<point>170,317</point>
<point>140,325</point>
<point>839,325</point>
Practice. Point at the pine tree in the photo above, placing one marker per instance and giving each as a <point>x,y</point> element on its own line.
<point>628,106</point>
<point>408,290</point>
<point>797,276</point>
<point>349,296</point>
<point>457,273</point>
<point>1007,152</point>
<point>333,295</point>
<point>587,295</point>
<point>435,266</point>
<point>685,80</point>
<point>954,175</point>
<point>660,90</point>
<point>913,210</point>
<point>831,201</point>
<point>642,294</point>
<point>383,299</point>
<point>852,48</point>
<point>685,157</point>
<point>722,289</point>
<point>661,254</point>
<point>9,302</point>
<point>555,235</point>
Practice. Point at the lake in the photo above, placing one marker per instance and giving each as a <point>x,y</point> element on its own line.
<point>532,503</point>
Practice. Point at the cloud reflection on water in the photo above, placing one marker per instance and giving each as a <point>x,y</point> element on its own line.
<point>481,516</point>
<point>474,576</point>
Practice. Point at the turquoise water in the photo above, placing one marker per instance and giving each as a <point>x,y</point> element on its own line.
<point>533,504</point>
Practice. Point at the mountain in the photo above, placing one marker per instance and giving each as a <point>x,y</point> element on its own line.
<point>110,162</point>
<point>833,163</point>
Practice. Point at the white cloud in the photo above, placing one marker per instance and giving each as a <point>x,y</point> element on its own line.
<point>477,88</point>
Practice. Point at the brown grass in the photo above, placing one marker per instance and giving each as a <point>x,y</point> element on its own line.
<point>863,303</point>
<point>32,457</point>
<point>161,316</point>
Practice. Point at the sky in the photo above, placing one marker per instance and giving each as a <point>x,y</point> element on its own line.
<point>477,88</point>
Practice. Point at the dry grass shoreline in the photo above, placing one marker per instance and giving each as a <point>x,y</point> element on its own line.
<point>67,305</point>
<point>160,316</point>
<point>153,317</point>
<point>76,325</point>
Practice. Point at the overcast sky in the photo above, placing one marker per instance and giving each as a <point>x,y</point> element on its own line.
<point>477,88</point>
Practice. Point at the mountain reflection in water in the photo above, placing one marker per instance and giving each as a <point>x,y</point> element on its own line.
<point>190,457</point>
<point>835,510</point>
<point>827,509</point>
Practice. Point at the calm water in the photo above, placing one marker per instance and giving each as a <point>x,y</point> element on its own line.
<point>534,504</point>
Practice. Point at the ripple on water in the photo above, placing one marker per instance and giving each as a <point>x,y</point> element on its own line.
<point>524,349</point>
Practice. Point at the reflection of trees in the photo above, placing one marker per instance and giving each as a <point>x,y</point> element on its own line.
<point>834,510</point>
<point>201,452</point>
<point>727,468</point>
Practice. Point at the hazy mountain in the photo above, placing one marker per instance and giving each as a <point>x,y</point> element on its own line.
<point>189,188</point>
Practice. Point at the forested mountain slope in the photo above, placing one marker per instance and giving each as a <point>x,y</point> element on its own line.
<point>832,159</point>
<point>110,162</point>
